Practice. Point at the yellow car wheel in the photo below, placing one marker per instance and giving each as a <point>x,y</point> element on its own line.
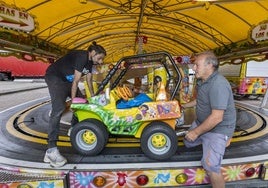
<point>159,141</point>
<point>89,137</point>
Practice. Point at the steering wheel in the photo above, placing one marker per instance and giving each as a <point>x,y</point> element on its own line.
<point>124,92</point>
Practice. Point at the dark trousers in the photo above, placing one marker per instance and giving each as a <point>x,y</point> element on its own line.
<point>59,91</point>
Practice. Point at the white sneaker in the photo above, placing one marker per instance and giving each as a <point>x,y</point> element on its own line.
<point>69,131</point>
<point>54,157</point>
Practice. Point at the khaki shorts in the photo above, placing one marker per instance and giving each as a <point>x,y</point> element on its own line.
<point>213,145</point>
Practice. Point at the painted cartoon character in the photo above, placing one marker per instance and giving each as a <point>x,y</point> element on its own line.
<point>144,108</point>
<point>163,109</point>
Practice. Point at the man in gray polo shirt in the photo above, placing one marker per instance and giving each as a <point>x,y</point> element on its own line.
<point>216,116</point>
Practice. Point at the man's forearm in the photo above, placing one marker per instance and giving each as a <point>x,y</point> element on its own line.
<point>90,84</point>
<point>212,120</point>
<point>90,87</point>
<point>189,104</point>
<point>74,89</point>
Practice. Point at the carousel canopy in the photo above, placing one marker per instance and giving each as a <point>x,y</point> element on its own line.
<point>128,27</point>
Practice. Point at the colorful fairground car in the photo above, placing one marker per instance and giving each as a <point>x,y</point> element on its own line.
<point>137,98</point>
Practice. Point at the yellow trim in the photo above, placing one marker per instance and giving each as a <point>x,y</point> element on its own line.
<point>170,122</point>
<point>10,128</point>
<point>85,114</point>
<point>138,134</point>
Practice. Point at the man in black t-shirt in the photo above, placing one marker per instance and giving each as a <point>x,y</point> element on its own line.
<point>62,78</point>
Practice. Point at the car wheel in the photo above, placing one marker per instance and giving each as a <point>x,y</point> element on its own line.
<point>159,141</point>
<point>89,137</point>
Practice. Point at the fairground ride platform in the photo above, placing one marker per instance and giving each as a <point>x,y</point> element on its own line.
<point>122,164</point>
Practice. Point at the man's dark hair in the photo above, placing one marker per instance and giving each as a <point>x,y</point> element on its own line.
<point>98,48</point>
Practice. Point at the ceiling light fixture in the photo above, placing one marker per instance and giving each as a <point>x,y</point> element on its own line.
<point>83,1</point>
